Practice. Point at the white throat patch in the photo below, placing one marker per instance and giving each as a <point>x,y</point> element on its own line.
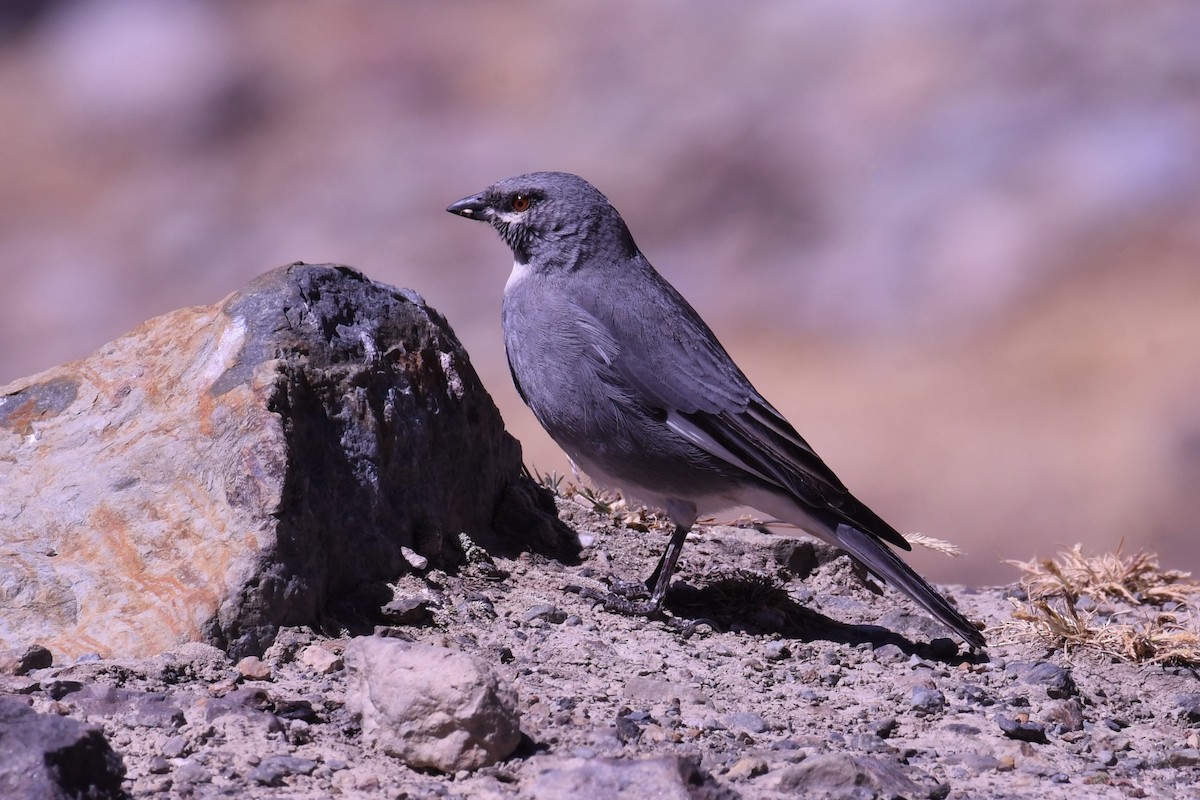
<point>518,274</point>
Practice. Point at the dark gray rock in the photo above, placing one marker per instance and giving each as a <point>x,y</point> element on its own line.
<point>884,728</point>
<point>844,775</point>
<point>1067,714</point>
<point>1055,679</point>
<point>273,769</point>
<point>925,701</point>
<point>127,706</point>
<point>51,757</point>
<point>1187,707</point>
<point>798,556</point>
<point>407,611</point>
<point>35,657</point>
<point>1029,731</point>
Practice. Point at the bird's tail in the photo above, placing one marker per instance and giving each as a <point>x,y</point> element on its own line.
<point>880,560</point>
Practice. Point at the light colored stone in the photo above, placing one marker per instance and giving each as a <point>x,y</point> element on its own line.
<point>431,707</point>
<point>746,768</point>
<point>320,659</point>
<point>253,668</point>
<point>665,778</point>
<point>222,471</point>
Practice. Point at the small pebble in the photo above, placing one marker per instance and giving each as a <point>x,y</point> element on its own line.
<point>746,720</point>
<point>174,747</point>
<point>884,727</point>
<point>320,659</point>
<point>545,611</point>
<point>927,701</point>
<point>253,668</point>
<point>414,559</point>
<point>777,651</point>
<point>1024,731</point>
<point>35,656</point>
<point>191,772</point>
<point>1185,757</point>
<point>1058,681</point>
<point>748,767</point>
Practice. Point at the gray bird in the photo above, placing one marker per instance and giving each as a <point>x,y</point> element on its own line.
<point>633,385</point>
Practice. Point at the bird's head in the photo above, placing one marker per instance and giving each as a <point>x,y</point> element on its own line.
<point>550,219</point>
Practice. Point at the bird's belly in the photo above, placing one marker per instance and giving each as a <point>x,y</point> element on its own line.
<point>621,446</point>
<point>564,368</point>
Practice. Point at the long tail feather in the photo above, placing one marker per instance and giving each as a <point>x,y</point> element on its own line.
<point>888,566</point>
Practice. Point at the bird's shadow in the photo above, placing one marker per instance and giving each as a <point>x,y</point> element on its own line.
<point>754,604</point>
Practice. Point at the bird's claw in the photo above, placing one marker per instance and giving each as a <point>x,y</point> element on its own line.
<point>620,600</point>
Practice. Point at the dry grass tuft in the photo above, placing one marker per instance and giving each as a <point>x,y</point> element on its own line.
<point>1122,606</point>
<point>1135,579</point>
<point>602,501</point>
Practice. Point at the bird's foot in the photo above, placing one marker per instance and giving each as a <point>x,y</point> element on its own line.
<point>631,598</point>
<point>628,590</point>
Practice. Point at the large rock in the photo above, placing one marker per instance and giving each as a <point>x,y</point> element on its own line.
<point>430,707</point>
<point>845,775</point>
<point>52,757</point>
<point>225,470</point>
<point>662,778</point>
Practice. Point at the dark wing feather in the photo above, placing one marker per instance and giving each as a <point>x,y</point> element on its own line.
<point>763,442</point>
<point>688,376</point>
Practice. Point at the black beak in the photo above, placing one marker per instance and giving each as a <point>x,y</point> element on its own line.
<point>472,207</point>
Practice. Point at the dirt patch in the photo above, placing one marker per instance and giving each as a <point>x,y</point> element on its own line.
<point>779,671</point>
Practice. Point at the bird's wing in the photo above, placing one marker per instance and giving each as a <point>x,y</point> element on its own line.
<point>689,378</point>
<point>764,444</point>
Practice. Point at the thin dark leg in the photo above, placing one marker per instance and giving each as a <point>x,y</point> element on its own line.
<point>660,579</point>
<point>620,598</point>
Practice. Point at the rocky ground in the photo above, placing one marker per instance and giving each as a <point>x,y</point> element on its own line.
<point>779,672</point>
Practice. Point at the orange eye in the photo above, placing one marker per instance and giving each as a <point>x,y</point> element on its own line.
<point>520,203</point>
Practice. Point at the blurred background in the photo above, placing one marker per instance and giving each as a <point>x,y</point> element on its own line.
<point>956,243</point>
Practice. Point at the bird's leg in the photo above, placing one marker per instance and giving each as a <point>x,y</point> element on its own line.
<point>619,600</point>
<point>660,579</point>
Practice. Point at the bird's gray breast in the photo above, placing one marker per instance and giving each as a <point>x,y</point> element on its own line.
<point>572,371</point>
<point>562,361</point>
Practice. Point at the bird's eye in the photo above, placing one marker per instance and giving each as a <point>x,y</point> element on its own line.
<point>520,202</point>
